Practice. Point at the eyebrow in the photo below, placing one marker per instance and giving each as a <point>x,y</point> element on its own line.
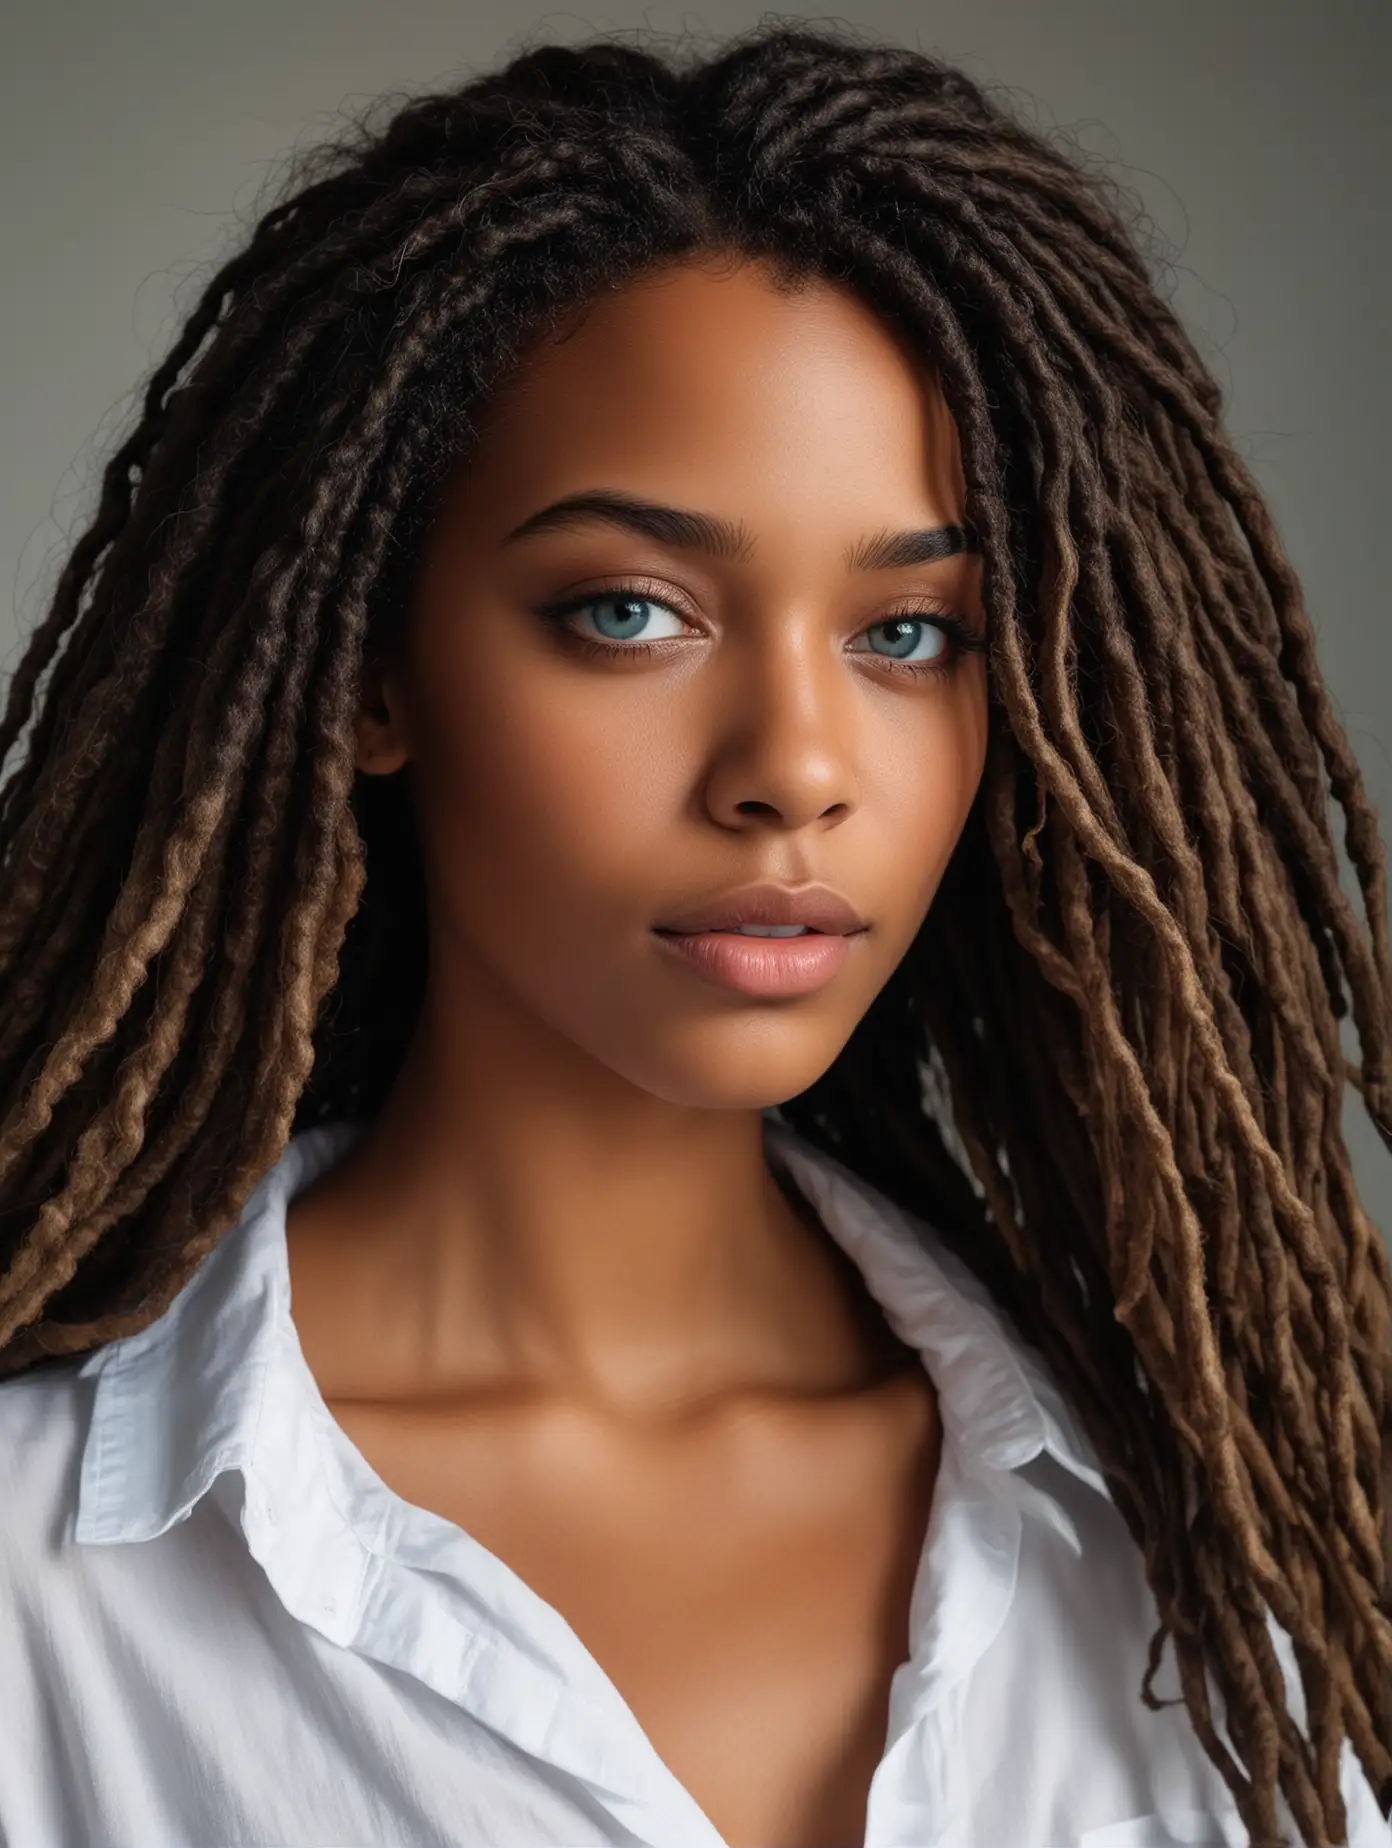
<point>689,530</point>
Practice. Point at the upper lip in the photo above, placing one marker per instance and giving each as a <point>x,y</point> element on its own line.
<point>817,906</point>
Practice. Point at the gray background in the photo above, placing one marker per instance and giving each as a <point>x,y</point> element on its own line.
<point>1255,134</point>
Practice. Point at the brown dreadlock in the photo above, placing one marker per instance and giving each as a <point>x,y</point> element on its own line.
<point>1109,1069</point>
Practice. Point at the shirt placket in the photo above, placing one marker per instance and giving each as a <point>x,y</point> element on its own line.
<point>962,1598</point>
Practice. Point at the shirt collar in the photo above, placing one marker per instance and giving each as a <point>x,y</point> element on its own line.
<point>192,1383</point>
<point>180,1402</point>
<point>997,1400</point>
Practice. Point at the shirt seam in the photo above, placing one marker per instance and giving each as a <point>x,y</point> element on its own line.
<point>109,1416</point>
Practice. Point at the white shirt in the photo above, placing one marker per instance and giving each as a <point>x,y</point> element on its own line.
<point>219,1627</point>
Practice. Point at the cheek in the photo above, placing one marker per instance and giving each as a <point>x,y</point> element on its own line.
<point>549,804</point>
<point>925,808</point>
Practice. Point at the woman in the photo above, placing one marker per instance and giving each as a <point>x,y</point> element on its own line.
<point>738,1390</point>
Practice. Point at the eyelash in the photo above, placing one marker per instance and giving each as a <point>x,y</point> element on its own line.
<point>964,639</point>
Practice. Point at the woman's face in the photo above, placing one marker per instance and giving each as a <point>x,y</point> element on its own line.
<point>614,718</point>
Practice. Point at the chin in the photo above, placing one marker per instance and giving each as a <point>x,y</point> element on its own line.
<point>735,1064</point>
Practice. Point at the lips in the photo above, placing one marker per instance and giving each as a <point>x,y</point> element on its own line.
<point>763,968</point>
<point>818,907</point>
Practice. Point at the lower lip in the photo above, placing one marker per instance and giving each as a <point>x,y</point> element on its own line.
<point>764,966</point>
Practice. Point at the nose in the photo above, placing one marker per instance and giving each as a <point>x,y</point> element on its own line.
<point>783,732</point>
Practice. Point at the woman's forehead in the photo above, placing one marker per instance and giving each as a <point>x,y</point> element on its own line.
<point>692,320</point>
<point>693,381</point>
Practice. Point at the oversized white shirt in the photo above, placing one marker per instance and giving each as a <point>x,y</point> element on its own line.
<point>219,1627</point>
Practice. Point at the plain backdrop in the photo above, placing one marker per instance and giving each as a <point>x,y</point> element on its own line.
<point>1255,136</point>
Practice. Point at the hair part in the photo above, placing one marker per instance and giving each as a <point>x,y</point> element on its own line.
<point>1109,1068</point>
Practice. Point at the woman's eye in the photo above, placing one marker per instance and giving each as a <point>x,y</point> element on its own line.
<point>628,615</point>
<point>620,616</point>
<point>904,638</point>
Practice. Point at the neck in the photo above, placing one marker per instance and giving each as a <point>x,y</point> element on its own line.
<point>513,1223</point>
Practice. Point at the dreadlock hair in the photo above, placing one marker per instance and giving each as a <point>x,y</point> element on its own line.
<point>1109,1069</point>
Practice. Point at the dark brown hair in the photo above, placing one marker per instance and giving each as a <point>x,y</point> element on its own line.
<point>1109,1069</point>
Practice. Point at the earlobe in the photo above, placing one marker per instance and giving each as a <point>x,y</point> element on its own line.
<point>381,744</point>
<point>375,757</point>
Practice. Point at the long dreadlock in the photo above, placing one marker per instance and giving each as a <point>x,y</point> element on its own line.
<point>1108,1070</point>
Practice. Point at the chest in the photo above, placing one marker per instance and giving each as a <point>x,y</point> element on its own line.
<point>748,1597</point>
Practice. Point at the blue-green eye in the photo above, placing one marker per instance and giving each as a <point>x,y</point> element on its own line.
<point>906,634</point>
<point>623,616</point>
<point>621,624</point>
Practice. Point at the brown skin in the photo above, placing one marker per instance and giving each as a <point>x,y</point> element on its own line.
<point>555,1294</point>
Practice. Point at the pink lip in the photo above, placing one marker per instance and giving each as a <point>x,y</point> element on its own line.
<point>763,966</point>
<point>819,906</point>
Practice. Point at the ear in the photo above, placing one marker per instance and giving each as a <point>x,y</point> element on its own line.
<point>382,745</point>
